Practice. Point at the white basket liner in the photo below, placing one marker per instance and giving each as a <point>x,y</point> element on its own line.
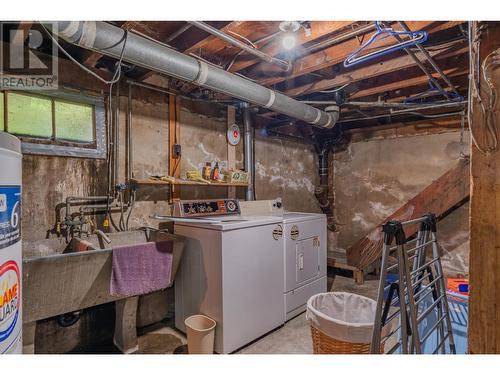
<point>343,316</point>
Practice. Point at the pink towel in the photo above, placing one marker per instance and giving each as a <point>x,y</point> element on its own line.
<point>141,268</point>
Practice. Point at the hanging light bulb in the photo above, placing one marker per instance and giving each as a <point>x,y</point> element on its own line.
<point>288,41</point>
<point>289,29</point>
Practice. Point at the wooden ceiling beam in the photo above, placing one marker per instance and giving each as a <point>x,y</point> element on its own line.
<point>374,70</point>
<point>406,83</point>
<point>339,52</point>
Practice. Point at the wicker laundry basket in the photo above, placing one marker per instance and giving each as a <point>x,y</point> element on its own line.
<point>341,323</point>
<point>324,344</point>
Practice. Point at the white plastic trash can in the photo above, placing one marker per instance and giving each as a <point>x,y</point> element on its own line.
<point>341,323</point>
<point>200,331</point>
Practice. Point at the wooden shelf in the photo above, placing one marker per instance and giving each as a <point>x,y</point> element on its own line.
<point>134,181</point>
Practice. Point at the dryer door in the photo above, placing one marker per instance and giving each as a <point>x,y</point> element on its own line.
<point>307,259</point>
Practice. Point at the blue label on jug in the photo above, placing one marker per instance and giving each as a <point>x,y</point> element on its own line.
<point>10,215</point>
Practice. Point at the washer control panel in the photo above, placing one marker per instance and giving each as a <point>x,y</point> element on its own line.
<point>208,207</point>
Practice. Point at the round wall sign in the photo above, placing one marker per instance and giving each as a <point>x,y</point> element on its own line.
<point>233,135</point>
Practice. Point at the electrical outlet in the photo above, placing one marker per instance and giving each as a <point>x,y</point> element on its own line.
<point>176,151</point>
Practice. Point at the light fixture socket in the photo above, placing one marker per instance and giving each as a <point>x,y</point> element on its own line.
<point>289,26</point>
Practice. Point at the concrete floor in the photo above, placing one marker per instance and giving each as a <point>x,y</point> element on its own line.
<point>292,338</point>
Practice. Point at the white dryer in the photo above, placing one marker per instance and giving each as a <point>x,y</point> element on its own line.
<point>305,258</point>
<point>304,252</point>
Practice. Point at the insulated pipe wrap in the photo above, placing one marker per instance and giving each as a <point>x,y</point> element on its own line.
<point>108,40</point>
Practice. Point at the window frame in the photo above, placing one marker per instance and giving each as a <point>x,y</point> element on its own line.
<point>57,146</point>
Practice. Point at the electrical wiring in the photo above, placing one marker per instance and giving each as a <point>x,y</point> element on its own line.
<point>132,202</point>
<point>462,132</point>
<point>491,60</point>
<point>399,114</point>
<point>488,110</point>
<point>264,39</point>
<point>249,42</point>
<point>442,45</point>
<point>434,116</point>
<point>121,222</point>
<point>335,90</point>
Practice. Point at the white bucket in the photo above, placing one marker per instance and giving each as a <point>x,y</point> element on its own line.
<point>200,330</point>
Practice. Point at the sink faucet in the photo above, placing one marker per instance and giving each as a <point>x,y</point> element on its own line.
<point>103,236</point>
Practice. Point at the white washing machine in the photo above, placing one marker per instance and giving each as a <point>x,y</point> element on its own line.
<point>232,270</point>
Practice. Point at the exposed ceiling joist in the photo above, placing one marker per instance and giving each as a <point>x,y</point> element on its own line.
<point>373,70</point>
<point>339,52</point>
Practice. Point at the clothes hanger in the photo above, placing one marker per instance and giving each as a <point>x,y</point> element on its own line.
<point>416,37</point>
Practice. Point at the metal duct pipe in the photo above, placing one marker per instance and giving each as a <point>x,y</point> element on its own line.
<point>108,40</point>
<point>248,134</point>
<point>235,42</point>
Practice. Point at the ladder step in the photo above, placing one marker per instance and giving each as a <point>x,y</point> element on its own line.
<point>432,330</point>
<point>429,309</point>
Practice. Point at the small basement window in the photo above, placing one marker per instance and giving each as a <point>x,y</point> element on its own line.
<point>58,123</point>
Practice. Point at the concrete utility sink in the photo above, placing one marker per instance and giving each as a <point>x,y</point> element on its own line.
<point>59,280</point>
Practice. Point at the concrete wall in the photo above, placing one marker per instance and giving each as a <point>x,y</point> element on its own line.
<point>374,178</point>
<point>286,169</point>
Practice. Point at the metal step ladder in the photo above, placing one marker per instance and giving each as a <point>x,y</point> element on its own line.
<point>417,296</point>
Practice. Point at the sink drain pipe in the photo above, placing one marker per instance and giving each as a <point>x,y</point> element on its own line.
<point>109,40</point>
<point>321,191</point>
